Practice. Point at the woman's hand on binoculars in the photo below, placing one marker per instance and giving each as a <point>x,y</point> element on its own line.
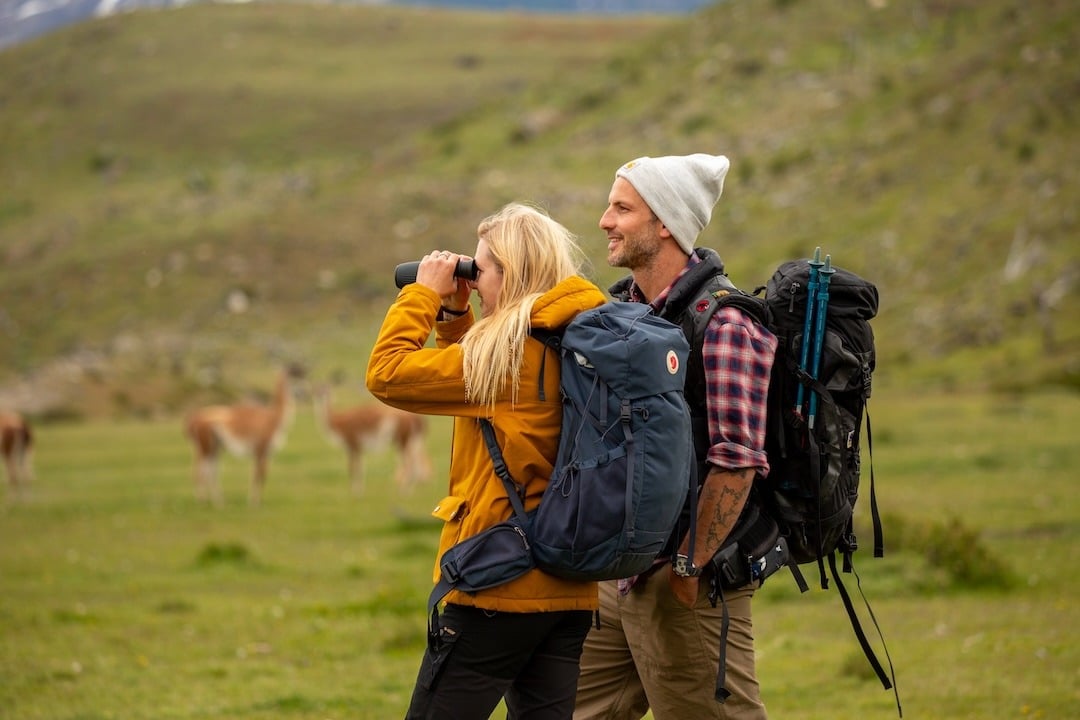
<point>436,271</point>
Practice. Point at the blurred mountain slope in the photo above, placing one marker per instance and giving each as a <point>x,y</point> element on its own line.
<point>23,20</point>
<point>194,195</point>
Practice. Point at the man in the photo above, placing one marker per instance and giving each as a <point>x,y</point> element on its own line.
<point>659,641</point>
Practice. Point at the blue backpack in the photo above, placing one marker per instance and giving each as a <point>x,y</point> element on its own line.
<point>625,459</point>
<point>624,467</point>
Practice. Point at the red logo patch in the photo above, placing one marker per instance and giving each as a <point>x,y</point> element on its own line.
<point>672,362</point>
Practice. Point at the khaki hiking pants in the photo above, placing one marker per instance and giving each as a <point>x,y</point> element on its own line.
<point>651,651</point>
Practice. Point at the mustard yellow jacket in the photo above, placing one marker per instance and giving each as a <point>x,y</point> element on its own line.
<point>404,373</point>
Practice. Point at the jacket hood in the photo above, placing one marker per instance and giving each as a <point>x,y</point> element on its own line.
<point>556,308</point>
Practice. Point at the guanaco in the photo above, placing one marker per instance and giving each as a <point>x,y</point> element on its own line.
<point>16,445</point>
<point>369,428</point>
<point>244,429</point>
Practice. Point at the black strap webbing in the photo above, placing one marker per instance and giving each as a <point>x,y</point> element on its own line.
<point>721,693</point>
<point>815,476</point>
<point>856,626</point>
<point>717,593</point>
<point>513,490</point>
<point>550,339</point>
<point>879,542</point>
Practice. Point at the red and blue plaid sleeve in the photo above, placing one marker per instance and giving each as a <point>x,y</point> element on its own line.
<point>738,355</point>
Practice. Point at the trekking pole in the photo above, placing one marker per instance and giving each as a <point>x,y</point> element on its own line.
<point>811,290</point>
<point>824,275</point>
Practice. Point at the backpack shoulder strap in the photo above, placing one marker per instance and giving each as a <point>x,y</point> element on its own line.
<point>551,339</point>
<point>726,295</point>
<point>513,490</point>
<point>750,303</point>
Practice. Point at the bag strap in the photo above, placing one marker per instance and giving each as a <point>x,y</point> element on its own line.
<point>856,626</point>
<point>513,490</point>
<point>879,542</point>
<point>720,692</point>
<point>441,590</point>
<point>551,339</point>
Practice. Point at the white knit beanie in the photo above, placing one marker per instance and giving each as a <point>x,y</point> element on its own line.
<point>680,189</point>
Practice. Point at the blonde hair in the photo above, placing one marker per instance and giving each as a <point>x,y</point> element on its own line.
<point>533,253</point>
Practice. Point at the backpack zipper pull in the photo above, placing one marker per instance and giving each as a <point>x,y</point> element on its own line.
<point>794,294</point>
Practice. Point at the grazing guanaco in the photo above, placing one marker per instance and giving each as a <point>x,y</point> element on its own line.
<point>243,429</point>
<point>369,428</point>
<point>16,445</point>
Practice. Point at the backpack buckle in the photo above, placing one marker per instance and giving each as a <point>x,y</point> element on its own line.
<point>849,543</point>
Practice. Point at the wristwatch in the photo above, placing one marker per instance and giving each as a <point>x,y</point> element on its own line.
<point>684,566</point>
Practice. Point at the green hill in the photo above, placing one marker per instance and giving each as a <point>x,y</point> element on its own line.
<point>193,196</point>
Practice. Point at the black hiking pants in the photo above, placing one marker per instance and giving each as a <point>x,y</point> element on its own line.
<point>481,656</point>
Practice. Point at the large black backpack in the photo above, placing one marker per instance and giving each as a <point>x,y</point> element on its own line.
<point>815,459</point>
<point>816,411</point>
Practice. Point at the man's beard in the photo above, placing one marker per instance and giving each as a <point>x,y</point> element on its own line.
<point>635,251</point>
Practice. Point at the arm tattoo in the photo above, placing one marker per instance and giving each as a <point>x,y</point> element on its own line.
<point>726,501</point>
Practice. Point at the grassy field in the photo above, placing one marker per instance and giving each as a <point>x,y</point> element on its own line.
<point>125,598</point>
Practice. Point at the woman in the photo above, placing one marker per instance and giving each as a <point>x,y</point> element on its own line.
<point>521,640</point>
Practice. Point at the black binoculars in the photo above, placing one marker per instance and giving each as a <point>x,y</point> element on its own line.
<point>405,273</point>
